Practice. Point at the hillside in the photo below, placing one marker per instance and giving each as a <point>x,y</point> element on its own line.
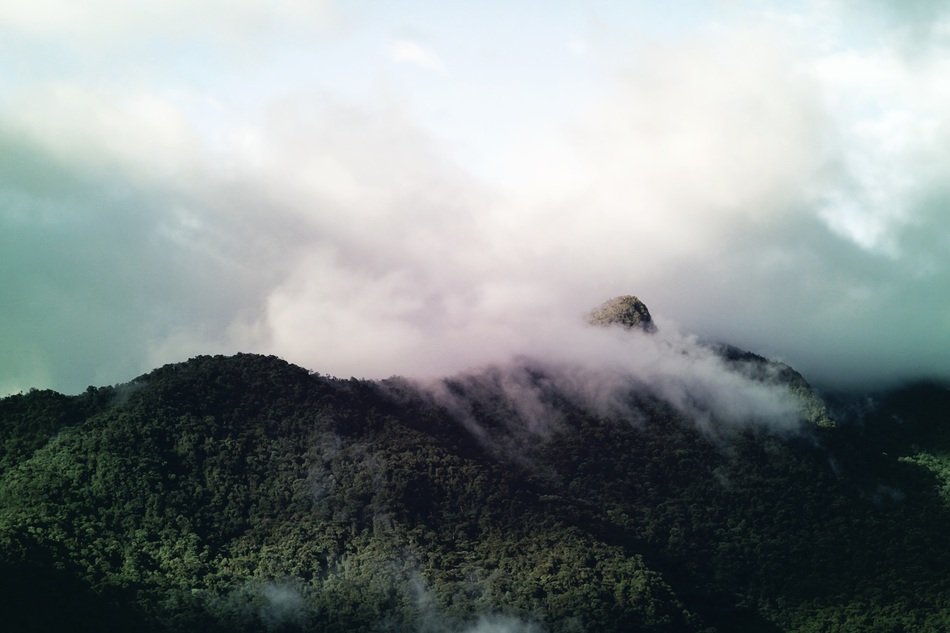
<point>246,494</point>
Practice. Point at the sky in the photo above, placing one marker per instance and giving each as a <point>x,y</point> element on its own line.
<point>417,188</point>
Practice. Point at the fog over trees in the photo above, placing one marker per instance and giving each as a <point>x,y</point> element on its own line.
<point>246,494</point>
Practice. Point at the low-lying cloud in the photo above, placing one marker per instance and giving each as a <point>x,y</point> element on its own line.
<point>605,371</point>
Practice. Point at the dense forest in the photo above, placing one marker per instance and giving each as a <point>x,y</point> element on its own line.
<point>246,494</point>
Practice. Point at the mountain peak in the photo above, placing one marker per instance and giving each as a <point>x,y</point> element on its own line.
<point>626,311</point>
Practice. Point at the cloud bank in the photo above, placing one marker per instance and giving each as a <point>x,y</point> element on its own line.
<point>604,372</point>
<point>772,179</point>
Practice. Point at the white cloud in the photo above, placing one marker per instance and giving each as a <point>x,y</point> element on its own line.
<point>83,23</point>
<point>578,46</point>
<point>102,129</point>
<point>412,52</point>
<point>892,129</point>
<point>756,186</point>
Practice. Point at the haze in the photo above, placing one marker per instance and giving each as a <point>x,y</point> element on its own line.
<point>417,188</point>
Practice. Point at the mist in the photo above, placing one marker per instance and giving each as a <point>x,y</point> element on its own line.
<point>603,372</point>
<point>772,179</point>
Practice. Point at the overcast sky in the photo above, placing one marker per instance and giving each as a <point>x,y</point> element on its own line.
<point>375,188</point>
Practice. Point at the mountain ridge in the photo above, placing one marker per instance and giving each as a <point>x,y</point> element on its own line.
<point>244,493</point>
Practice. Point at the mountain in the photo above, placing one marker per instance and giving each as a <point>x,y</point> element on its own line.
<point>627,311</point>
<point>243,493</point>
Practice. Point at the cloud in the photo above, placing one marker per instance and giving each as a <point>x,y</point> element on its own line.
<point>767,199</point>
<point>79,24</point>
<point>502,624</point>
<point>777,189</point>
<point>430,619</point>
<point>578,46</point>
<point>116,245</point>
<point>411,52</point>
<point>891,123</point>
<point>913,24</point>
<point>603,372</point>
<point>274,605</point>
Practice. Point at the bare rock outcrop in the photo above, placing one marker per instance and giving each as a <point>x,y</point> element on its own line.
<point>626,311</point>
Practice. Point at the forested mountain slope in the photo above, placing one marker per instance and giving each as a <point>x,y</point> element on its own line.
<point>243,493</point>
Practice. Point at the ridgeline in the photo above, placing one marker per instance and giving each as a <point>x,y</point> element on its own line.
<point>246,494</point>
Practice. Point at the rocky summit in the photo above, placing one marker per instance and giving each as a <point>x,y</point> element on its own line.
<point>627,311</point>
